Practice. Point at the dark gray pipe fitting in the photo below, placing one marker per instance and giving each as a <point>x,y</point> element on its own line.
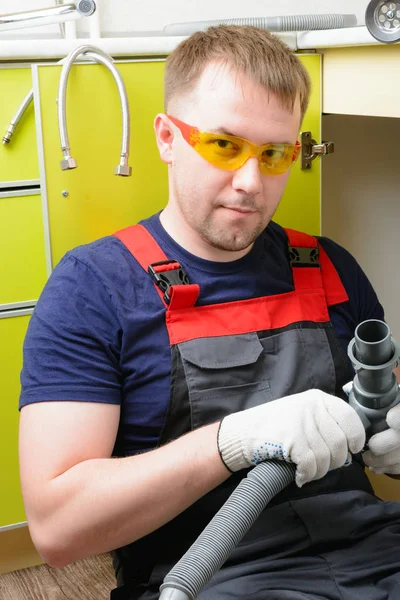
<point>373,343</point>
<point>374,354</point>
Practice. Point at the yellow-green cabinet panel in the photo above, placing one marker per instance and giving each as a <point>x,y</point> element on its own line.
<point>98,202</point>
<point>12,332</point>
<point>95,201</point>
<point>18,159</point>
<point>300,207</point>
<point>23,265</point>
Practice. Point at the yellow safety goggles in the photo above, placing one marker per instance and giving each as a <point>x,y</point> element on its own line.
<point>230,152</point>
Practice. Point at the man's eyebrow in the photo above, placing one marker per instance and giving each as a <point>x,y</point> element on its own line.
<point>227,132</point>
<point>224,131</point>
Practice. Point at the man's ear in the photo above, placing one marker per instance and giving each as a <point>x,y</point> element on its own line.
<point>164,137</point>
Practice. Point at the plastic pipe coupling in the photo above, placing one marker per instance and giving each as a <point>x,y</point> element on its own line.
<point>374,354</point>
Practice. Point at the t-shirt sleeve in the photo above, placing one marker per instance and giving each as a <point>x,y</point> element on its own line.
<point>72,346</point>
<point>363,301</point>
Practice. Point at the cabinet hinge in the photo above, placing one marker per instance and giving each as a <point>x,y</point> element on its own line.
<point>310,150</point>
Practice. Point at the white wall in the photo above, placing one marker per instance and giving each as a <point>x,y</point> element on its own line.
<point>126,16</point>
<point>361,200</point>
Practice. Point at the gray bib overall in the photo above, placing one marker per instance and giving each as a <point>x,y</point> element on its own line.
<point>226,358</point>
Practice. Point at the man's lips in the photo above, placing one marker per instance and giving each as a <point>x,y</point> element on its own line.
<point>241,210</point>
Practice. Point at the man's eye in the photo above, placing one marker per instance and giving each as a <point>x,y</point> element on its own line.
<point>225,144</point>
<point>273,153</point>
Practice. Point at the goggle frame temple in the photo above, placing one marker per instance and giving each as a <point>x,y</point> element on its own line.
<point>186,130</point>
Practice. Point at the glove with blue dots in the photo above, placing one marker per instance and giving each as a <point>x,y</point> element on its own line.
<point>316,431</point>
<point>383,454</point>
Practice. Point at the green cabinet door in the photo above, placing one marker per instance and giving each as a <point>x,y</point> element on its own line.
<point>22,263</point>
<point>12,332</point>
<point>300,207</point>
<point>18,160</point>
<point>22,250</point>
<point>22,270</point>
<point>95,201</point>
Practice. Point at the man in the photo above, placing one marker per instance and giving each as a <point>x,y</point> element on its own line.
<point>162,362</point>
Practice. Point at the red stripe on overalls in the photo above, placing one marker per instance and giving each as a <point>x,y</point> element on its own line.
<point>145,249</point>
<point>315,290</point>
<point>303,276</point>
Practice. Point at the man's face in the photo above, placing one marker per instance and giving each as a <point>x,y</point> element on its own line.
<point>227,210</point>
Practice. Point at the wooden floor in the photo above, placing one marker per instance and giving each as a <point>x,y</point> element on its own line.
<point>88,579</point>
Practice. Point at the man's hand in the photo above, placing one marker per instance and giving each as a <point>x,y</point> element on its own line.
<point>312,429</point>
<point>383,455</point>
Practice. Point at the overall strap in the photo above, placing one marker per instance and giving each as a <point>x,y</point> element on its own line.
<point>169,276</point>
<point>312,267</point>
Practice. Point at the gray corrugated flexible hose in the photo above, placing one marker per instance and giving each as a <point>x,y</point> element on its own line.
<point>212,548</point>
<point>288,23</point>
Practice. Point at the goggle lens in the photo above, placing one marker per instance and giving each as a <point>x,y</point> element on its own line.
<point>229,152</point>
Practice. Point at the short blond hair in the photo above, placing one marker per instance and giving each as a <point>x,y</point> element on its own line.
<point>251,50</point>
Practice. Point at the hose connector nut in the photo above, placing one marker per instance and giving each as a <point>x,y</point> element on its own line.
<point>68,163</point>
<point>8,134</point>
<point>123,170</point>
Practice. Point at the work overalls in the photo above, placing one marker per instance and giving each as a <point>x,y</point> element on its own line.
<point>225,358</point>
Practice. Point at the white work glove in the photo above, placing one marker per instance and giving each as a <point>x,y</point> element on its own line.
<point>312,429</point>
<point>383,454</point>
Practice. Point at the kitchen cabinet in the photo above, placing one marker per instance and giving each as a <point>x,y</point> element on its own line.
<point>19,159</point>
<point>23,274</point>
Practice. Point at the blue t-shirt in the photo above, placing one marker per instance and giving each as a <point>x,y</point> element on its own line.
<point>98,332</point>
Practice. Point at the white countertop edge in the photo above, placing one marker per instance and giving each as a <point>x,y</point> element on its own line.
<point>42,49</point>
<point>47,49</point>
<point>56,49</point>
<point>335,38</point>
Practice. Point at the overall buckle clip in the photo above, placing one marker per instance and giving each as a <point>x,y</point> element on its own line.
<point>303,257</point>
<point>166,274</point>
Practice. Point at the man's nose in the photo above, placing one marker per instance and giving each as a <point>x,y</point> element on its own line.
<point>248,177</point>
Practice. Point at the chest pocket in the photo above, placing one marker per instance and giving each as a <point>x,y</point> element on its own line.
<point>223,375</point>
<point>231,373</point>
